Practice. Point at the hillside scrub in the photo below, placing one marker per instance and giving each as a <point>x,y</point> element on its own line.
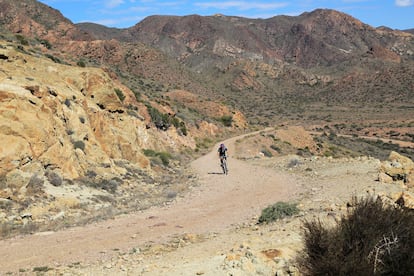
<point>163,156</point>
<point>373,239</point>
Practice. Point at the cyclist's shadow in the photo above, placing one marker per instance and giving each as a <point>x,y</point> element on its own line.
<point>218,172</point>
<point>215,173</point>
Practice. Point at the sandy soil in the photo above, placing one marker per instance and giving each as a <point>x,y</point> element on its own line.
<point>197,233</point>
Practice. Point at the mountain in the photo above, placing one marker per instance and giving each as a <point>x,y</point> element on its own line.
<point>277,68</point>
<point>409,31</point>
<point>34,19</point>
<point>318,38</point>
<point>320,65</point>
<point>271,69</point>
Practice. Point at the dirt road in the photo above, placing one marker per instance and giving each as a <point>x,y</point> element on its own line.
<point>217,204</point>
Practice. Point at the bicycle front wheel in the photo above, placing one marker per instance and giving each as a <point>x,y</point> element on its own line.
<point>224,166</point>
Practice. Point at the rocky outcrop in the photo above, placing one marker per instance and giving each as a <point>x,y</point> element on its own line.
<point>397,168</point>
<point>77,143</point>
<point>72,134</point>
<point>207,107</point>
<point>64,117</point>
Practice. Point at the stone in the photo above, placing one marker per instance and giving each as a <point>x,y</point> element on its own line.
<point>406,200</point>
<point>398,167</point>
<point>384,178</point>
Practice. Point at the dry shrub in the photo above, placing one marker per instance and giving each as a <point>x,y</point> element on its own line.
<point>278,211</point>
<point>374,239</point>
<point>35,185</point>
<point>54,178</point>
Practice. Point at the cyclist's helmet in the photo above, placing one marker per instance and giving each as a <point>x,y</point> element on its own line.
<point>222,146</point>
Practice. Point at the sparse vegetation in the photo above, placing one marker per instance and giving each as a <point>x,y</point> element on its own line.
<point>67,102</point>
<point>54,178</point>
<point>45,43</point>
<point>79,145</point>
<point>278,211</point>
<point>338,146</point>
<point>226,120</point>
<point>374,239</point>
<point>35,185</point>
<point>22,40</point>
<point>120,95</point>
<point>266,152</point>
<point>164,157</point>
<point>54,59</point>
<point>81,63</point>
<point>160,120</point>
<point>41,269</point>
<point>267,93</point>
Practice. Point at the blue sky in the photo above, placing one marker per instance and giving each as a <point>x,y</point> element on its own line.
<point>396,14</point>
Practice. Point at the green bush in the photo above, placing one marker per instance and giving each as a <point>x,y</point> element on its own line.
<point>79,145</point>
<point>35,185</point>
<point>67,102</point>
<point>54,178</point>
<point>277,211</point>
<point>41,269</point>
<point>266,152</point>
<point>374,239</point>
<point>22,40</point>
<point>81,63</point>
<point>109,185</point>
<point>275,148</point>
<point>160,120</point>
<point>227,120</point>
<point>45,43</point>
<point>163,156</point>
<point>149,152</point>
<point>120,95</point>
<point>53,58</point>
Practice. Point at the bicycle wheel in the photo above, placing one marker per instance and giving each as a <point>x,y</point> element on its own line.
<point>224,166</point>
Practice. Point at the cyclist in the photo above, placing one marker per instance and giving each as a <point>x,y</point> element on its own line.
<point>222,152</point>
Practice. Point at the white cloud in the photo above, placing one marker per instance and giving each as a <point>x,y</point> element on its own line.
<point>241,5</point>
<point>404,3</point>
<point>124,21</point>
<point>113,3</point>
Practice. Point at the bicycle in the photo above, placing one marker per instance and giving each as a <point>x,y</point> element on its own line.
<point>223,161</point>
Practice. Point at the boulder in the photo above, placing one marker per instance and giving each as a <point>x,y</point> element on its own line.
<point>406,200</point>
<point>397,167</point>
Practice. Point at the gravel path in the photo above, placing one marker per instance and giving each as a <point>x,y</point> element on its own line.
<point>216,205</point>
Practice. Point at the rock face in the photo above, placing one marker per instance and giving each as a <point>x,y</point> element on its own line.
<point>62,124</point>
<point>397,168</point>
<point>65,118</point>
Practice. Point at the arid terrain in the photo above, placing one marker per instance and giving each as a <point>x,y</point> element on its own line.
<point>108,162</point>
<point>212,229</point>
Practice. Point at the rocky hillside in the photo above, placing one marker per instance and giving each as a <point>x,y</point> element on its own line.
<point>409,31</point>
<point>75,139</point>
<point>281,68</point>
<point>114,110</point>
<point>29,17</point>
<point>318,38</point>
<point>277,67</point>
